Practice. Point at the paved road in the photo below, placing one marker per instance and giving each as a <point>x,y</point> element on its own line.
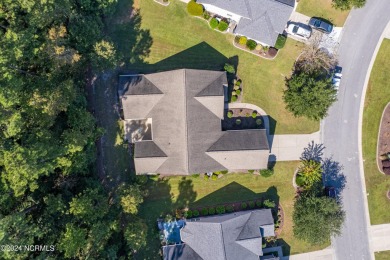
<point>341,128</point>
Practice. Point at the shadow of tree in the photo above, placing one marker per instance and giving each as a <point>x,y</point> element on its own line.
<point>313,152</point>
<point>187,195</point>
<point>333,175</point>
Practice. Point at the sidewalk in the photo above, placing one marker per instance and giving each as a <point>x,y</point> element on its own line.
<point>379,237</point>
<point>325,254</point>
<point>290,147</point>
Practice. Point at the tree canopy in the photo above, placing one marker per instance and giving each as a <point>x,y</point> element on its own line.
<point>49,194</point>
<point>309,95</point>
<point>316,219</point>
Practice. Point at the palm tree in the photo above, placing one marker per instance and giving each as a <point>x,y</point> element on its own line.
<point>310,172</point>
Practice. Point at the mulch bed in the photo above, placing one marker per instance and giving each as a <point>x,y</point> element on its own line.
<point>384,141</point>
<point>247,121</point>
<point>270,54</point>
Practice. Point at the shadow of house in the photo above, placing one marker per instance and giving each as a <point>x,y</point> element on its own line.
<point>235,192</point>
<point>200,56</point>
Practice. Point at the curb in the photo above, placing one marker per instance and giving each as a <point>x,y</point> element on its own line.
<point>362,102</point>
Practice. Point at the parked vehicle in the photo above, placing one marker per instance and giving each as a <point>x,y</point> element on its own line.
<point>299,31</point>
<point>320,25</point>
<point>336,77</point>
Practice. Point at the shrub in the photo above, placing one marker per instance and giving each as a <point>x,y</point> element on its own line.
<point>234,98</point>
<point>234,93</point>
<point>259,204</point>
<point>243,40</point>
<point>188,214</point>
<point>222,26</point>
<point>194,9</point>
<point>269,204</point>
<point>238,121</point>
<point>254,114</point>
<point>247,115</point>
<point>217,172</point>
<point>178,213</point>
<point>236,87</point>
<point>206,177</point>
<point>224,171</point>
<point>195,176</point>
<point>280,42</point>
<point>205,212</point>
<point>238,83</point>
<point>220,209</point>
<point>300,181</point>
<point>251,44</point>
<point>266,172</point>
<point>229,208</point>
<point>206,15</point>
<point>259,121</point>
<point>244,205</point>
<point>251,204</point>
<point>265,48</point>
<point>229,68</point>
<point>195,213</point>
<point>229,114</point>
<point>238,91</point>
<point>237,39</point>
<point>141,179</point>
<point>259,47</point>
<point>214,23</point>
<point>214,177</point>
<point>251,171</point>
<point>211,211</point>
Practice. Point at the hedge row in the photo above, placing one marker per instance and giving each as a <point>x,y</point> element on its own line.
<point>229,208</point>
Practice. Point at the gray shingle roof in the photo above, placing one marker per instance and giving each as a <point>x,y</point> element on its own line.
<point>179,251</point>
<point>136,85</point>
<point>186,116</point>
<point>237,140</point>
<point>145,149</point>
<point>228,237</point>
<point>262,20</point>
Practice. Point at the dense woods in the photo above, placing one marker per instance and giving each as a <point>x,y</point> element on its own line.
<point>49,194</point>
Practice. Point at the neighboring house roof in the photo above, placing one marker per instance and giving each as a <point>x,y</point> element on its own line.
<point>262,20</point>
<point>186,107</point>
<point>179,251</point>
<point>228,237</point>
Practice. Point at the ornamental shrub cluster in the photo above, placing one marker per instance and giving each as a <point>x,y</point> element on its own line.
<point>194,8</point>
<point>280,42</point>
<point>242,40</point>
<point>223,26</point>
<point>251,44</point>
<point>214,23</point>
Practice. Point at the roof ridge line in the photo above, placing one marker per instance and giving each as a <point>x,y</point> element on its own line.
<point>223,240</point>
<point>187,154</point>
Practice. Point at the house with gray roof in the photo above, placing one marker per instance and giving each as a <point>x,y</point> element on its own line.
<point>174,120</point>
<point>259,20</point>
<point>224,237</point>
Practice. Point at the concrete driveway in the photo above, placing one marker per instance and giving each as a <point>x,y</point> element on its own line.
<point>341,132</point>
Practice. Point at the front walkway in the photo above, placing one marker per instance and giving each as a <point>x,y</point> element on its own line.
<point>325,254</point>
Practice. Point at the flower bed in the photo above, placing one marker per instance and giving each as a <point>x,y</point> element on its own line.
<point>242,118</point>
<point>241,42</point>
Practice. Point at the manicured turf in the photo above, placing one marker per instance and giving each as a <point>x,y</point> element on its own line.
<point>377,97</point>
<point>324,9</point>
<point>385,255</point>
<point>182,41</point>
<point>171,193</point>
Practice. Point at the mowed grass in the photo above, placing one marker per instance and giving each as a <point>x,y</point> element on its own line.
<point>323,9</point>
<point>182,41</point>
<point>385,255</point>
<point>168,194</point>
<point>377,97</point>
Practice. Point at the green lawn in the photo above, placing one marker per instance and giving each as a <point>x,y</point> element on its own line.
<point>175,192</point>
<point>179,40</point>
<point>324,9</point>
<point>377,97</point>
<point>385,255</point>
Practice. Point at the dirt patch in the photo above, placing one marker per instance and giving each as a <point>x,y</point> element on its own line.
<point>383,149</point>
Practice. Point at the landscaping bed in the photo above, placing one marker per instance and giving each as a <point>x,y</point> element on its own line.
<point>242,118</point>
<point>383,150</point>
